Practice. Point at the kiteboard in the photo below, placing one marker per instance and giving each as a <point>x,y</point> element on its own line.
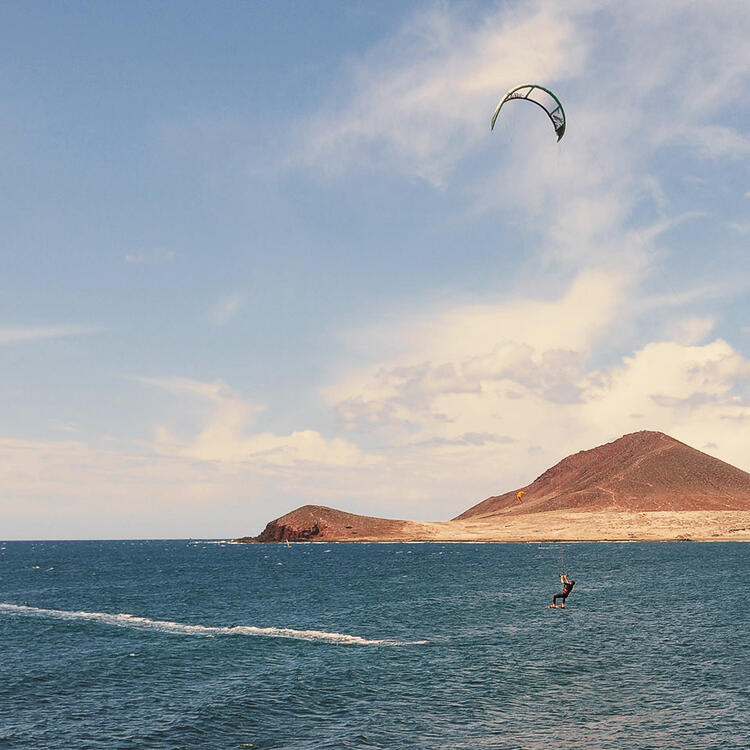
<point>554,606</point>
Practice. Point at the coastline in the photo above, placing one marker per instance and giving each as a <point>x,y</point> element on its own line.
<point>557,526</point>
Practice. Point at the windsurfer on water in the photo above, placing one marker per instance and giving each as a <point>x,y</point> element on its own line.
<point>567,588</point>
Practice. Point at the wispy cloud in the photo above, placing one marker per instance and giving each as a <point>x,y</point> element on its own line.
<point>227,308</point>
<point>415,105</point>
<point>415,99</point>
<point>519,351</point>
<point>738,284</point>
<point>415,102</point>
<point>719,141</point>
<point>116,491</point>
<point>65,426</point>
<point>15,334</point>
<point>226,436</point>
<point>691,330</point>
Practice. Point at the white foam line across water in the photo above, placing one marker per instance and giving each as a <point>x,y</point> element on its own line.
<point>124,620</point>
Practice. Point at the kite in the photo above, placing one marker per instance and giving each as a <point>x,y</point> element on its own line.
<point>520,495</point>
<point>540,96</point>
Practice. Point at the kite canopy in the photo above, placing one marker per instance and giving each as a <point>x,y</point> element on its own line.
<point>540,96</point>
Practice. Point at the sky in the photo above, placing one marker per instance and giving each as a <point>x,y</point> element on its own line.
<point>255,255</point>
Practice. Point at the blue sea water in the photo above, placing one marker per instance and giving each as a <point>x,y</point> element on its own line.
<point>165,644</point>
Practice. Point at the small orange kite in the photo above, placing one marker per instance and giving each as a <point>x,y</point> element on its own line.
<point>520,495</point>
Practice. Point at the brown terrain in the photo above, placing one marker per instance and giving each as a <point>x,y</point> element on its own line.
<point>644,486</point>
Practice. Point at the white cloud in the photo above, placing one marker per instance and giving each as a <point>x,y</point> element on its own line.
<point>686,391</point>
<point>672,376</point>
<point>415,106</point>
<point>685,297</point>
<point>225,437</point>
<point>15,334</point>
<point>222,479</point>
<point>507,370</point>
<point>420,103</point>
<point>67,489</point>
<point>459,428</point>
<point>691,330</point>
<point>529,341</point>
<point>227,308</point>
<point>718,141</point>
<point>451,446</point>
<point>65,426</point>
<point>417,98</point>
<point>423,99</point>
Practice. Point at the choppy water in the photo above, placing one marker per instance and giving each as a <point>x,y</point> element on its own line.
<point>167,645</point>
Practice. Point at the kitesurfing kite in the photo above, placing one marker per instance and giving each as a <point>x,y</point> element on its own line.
<point>540,96</point>
<point>520,495</point>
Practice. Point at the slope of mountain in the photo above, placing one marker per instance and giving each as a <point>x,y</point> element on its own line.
<point>643,471</point>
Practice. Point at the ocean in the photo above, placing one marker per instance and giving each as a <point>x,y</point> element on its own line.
<point>176,644</point>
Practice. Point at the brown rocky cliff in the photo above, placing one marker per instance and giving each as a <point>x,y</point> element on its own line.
<point>320,523</point>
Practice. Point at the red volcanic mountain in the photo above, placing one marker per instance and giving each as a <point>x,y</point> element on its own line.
<point>642,471</point>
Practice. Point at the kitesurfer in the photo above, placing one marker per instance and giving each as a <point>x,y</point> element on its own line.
<point>567,588</point>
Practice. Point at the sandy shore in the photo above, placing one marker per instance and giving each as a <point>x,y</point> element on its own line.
<point>697,525</point>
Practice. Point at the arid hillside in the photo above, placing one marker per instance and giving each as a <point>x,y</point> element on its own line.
<point>643,471</point>
<point>645,485</point>
<point>313,522</point>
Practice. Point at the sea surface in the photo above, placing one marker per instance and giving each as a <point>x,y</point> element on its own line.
<point>176,644</point>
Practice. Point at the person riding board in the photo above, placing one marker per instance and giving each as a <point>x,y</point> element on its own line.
<point>567,588</point>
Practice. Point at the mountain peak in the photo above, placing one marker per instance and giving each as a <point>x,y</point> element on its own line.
<point>644,470</point>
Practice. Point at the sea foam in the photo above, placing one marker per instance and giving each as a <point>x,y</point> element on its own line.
<point>167,626</point>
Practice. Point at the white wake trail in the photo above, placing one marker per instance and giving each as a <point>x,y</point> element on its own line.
<point>167,626</point>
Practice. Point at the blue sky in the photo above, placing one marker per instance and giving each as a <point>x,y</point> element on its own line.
<point>257,255</point>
